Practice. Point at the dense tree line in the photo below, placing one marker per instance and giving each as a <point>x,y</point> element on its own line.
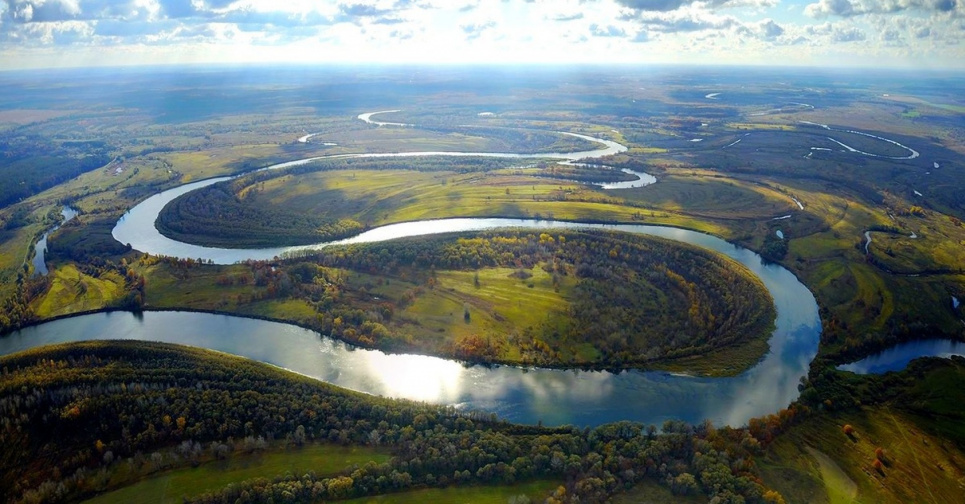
<point>584,173</point>
<point>30,164</point>
<point>74,415</point>
<point>16,311</point>
<point>637,299</point>
<point>774,248</point>
<point>455,164</point>
<point>524,140</point>
<point>216,216</point>
<point>228,214</point>
<point>85,239</point>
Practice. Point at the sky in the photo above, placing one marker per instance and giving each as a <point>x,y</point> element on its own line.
<point>925,34</point>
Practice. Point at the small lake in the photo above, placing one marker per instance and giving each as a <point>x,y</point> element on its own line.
<point>897,358</point>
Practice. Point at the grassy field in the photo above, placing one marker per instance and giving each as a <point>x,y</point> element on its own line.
<point>927,243</point>
<point>501,305</point>
<point>649,492</point>
<point>712,197</point>
<point>381,197</point>
<point>536,491</point>
<point>840,488</point>
<point>72,291</point>
<point>506,301</point>
<point>826,250</point>
<point>816,462</point>
<point>168,487</point>
<point>15,247</point>
<point>169,287</point>
<point>517,314</point>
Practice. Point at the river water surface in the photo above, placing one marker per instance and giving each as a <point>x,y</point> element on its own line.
<point>521,395</point>
<point>897,357</point>
<point>553,397</point>
<point>40,248</point>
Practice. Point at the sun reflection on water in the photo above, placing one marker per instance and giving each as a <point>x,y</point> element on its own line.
<point>417,377</point>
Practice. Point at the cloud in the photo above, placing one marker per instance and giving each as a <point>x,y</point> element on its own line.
<point>567,17</point>
<point>494,30</point>
<point>42,11</point>
<point>362,10</point>
<point>849,8</point>
<point>902,31</point>
<point>848,34</point>
<point>836,33</point>
<point>672,5</point>
<point>690,21</point>
<point>607,31</point>
<point>641,37</point>
<point>475,30</point>
<point>768,29</point>
<point>276,19</point>
<point>830,7</point>
<point>654,5</point>
<point>60,32</point>
<point>401,34</point>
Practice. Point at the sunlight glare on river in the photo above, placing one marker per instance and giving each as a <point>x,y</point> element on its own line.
<point>416,377</point>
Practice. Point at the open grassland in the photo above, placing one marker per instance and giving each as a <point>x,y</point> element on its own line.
<point>73,291</point>
<point>652,493</point>
<point>535,491</point>
<point>523,301</point>
<point>170,486</point>
<point>759,126</point>
<point>948,107</point>
<point>169,286</point>
<point>16,246</point>
<point>868,305</point>
<point>203,288</point>
<point>393,139</point>
<point>562,299</point>
<point>435,318</point>
<point>817,462</point>
<point>713,197</point>
<point>928,242</point>
<point>499,303</point>
<point>376,197</point>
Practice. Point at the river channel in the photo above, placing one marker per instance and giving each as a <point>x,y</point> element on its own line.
<point>524,395</point>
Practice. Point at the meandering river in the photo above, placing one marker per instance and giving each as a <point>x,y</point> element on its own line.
<point>898,356</point>
<point>40,248</point>
<point>553,397</point>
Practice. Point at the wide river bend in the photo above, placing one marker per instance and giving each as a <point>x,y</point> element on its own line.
<point>524,395</point>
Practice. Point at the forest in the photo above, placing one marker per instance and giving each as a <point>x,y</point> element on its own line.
<point>636,300</point>
<point>583,172</point>
<point>229,214</point>
<point>88,417</point>
<point>30,164</point>
<point>216,217</point>
<point>878,241</point>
